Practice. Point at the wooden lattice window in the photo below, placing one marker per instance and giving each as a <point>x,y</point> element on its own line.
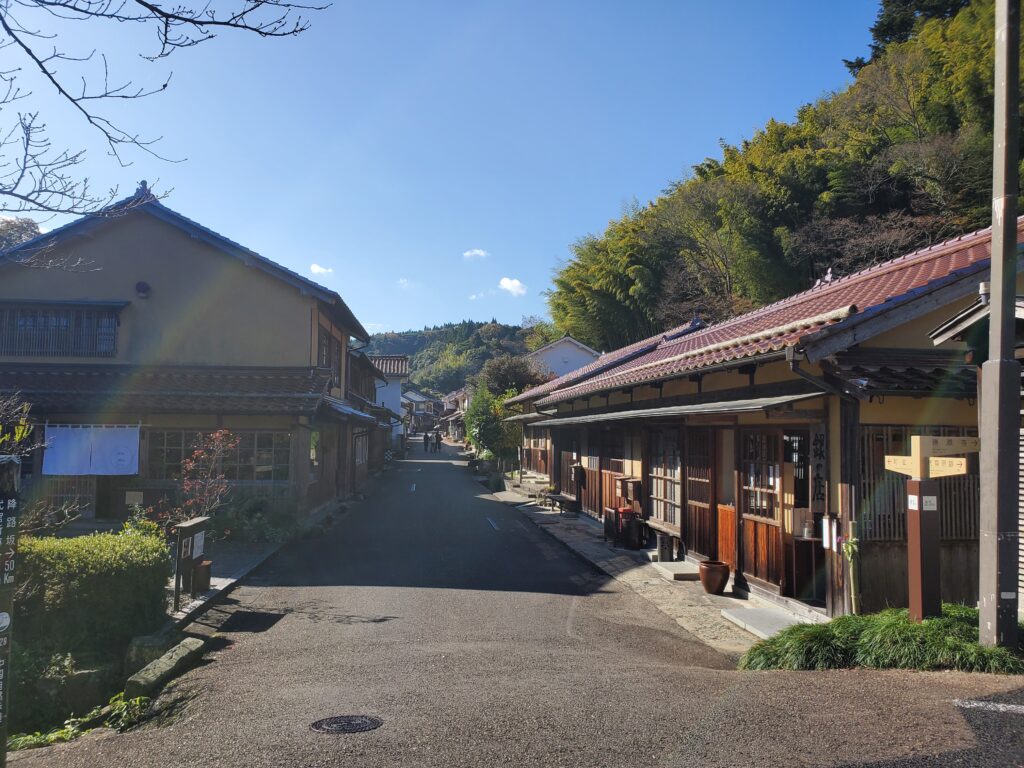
<point>58,331</point>
<point>664,473</point>
<point>760,474</point>
<point>881,508</point>
<point>260,456</point>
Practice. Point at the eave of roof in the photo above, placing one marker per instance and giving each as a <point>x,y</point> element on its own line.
<point>812,317</point>
<point>750,405</point>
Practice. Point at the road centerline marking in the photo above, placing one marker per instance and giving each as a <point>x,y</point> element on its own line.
<point>494,525</point>
<point>413,489</point>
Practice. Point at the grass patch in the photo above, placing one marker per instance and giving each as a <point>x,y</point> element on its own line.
<point>120,714</point>
<point>886,640</point>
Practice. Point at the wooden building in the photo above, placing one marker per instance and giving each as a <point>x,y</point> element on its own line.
<point>761,440</point>
<point>163,330</point>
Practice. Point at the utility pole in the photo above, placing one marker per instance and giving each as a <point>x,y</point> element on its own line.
<point>1000,374</point>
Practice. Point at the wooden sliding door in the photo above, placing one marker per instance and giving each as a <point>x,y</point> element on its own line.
<point>700,513</point>
<point>760,501</point>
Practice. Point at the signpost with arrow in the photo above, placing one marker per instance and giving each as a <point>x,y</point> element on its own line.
<point>930,458</point>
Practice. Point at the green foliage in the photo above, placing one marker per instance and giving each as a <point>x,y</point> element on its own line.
<point>886,640</point>
<point>91,593</point>
<point>486,427</point>
<point>896,161</point>
<point>441,358</point>
<point>16,230</point>
<point>255,520</point>
<point>539,332</point>
<point>126,713</point>
<point>120,714</point>
<point>509,374</point>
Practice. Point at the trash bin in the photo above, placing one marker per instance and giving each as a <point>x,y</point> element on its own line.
<point>665,554</point>
<point>196,580</point>
<point>632,530</point>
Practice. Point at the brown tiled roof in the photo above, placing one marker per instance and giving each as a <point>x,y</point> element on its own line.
<point>98,390</point>
<point>605,362</point>
<point>786,323</point>
<point>391,365</point>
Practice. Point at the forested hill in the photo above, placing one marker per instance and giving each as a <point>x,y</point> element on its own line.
<point>440,358</point>
<point>899,159</point>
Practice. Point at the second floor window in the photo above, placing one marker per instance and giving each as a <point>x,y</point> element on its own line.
<point>329,355</point>
<point>58,331</point>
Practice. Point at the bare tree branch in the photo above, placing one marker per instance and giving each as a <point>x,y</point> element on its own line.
<point>37,177</point>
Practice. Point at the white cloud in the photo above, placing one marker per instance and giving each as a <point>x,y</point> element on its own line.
<point>316,269</point>
<point>512,285</point>
<point>475,253</point>
<point>482,294</point>
<point>404,283</point>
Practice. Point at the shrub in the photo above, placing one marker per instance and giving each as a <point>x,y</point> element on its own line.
<point>255,520</point>
<point>91,593</point>
<point>886,640</point>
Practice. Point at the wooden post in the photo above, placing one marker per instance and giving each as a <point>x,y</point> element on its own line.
<point>923,549</point>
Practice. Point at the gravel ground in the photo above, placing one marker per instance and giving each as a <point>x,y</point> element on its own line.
<point>480,641</point>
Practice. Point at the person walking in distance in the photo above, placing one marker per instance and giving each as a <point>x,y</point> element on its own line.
<point>426,442</point>
<point>437,441</point>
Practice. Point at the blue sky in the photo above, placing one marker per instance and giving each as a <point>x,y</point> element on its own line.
<point>439,158</point>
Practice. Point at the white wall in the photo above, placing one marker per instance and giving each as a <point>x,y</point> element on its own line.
<point>390,396</point>
<point>562,357</point>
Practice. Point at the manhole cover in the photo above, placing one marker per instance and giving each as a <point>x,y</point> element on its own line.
<point>347,724</point>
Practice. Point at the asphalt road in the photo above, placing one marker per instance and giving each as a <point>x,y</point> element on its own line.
<point>480,641</point>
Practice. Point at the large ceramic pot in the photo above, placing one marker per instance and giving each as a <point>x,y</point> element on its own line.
<point>714,575</point>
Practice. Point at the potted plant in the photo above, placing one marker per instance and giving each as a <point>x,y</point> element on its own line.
<point>714,575</point>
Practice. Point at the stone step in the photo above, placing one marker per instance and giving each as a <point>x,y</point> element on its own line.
<point>678,570</point>
<point>760,622</point>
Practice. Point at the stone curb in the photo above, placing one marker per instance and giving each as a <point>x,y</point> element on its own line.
<point>152,677</point>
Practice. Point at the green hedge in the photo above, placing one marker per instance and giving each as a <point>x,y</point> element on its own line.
<point>92,593</point>
<point>886,640</point>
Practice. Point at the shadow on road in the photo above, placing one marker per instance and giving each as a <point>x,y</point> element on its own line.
<point>998,736</point>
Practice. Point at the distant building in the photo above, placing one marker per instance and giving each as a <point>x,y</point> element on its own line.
<point>396,372</point>
<point>422,411</point>
<point>453,419</point>
<point>562,356</point>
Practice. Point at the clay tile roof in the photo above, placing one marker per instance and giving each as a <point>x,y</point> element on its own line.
<point>786,323</point>
<point>603,363</point>
<point>391,365</point>
<point>101,390</point>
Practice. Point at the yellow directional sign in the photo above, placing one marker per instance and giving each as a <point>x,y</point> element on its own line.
<point>945,446</point>
<point>929,457</point>
<point>939,466</point>
<point>905,465</point>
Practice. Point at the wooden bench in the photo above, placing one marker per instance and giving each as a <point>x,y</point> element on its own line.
<point>566,504</point>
